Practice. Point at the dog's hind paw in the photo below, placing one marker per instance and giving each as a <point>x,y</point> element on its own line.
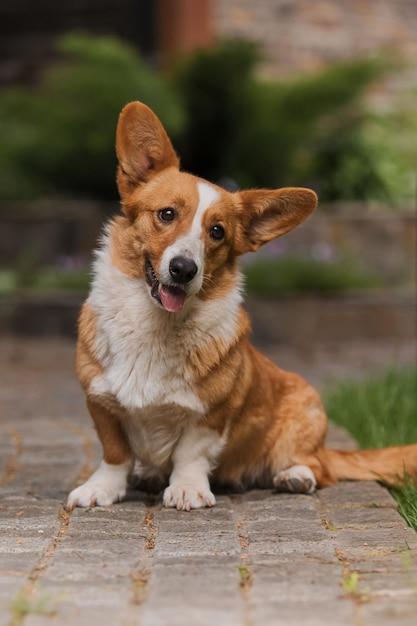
<point>295,479</point>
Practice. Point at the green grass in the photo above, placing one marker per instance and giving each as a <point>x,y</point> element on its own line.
<point>24,604</point>
<point>289,275</point>
<point>406,497</point>
<point>381,411</point>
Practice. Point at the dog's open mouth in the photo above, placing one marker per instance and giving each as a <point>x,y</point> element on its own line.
<point>170,297</point>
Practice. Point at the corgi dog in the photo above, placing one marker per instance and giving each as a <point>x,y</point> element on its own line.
<point>173,384</point>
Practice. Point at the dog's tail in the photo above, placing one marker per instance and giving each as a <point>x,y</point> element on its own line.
<point>389,465</point>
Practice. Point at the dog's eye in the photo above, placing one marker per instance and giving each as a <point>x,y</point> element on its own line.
<point>167,215</point>
<point>217,232</point>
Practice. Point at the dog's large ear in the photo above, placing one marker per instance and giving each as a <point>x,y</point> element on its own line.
<point>269,213</point>
<point>143,147</point>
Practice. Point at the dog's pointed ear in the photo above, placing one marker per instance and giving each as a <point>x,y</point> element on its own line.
<point>269,213</point>
<point>143,147</point>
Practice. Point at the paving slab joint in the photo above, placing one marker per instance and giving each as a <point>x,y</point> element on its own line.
<point>12,465</point>
<point>141,576</point>
<point>349,577</point>
<point>245,569</point>
<point>27,591</point>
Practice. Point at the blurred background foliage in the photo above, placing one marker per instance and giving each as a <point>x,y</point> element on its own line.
<point>58,137</point>
<point>228,124</point>
<point>291,274</point>
<point>307,130</point>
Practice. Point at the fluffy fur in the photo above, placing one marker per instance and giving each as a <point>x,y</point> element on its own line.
<point>185,393</point>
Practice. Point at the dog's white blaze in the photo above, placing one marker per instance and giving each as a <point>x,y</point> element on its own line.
<point>208,195</point>
<point>191,244</point>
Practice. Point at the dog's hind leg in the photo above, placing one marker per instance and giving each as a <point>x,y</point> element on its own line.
<point>295,462</point>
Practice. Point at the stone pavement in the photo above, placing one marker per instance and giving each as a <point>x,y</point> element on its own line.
<point>342,556</point>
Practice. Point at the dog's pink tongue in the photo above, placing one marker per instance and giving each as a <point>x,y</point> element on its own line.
<point>172,298</point>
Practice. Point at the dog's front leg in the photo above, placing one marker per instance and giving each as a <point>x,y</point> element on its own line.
<point>193,459</point>
<point>108,483</point>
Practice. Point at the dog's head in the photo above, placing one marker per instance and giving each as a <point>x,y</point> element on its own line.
<point>180,232</point>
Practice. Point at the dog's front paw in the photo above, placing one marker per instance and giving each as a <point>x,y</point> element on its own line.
<point>185,497</point>
<point>94,494</point>
<point>106,486</point>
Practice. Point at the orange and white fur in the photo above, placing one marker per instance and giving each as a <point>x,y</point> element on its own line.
<point>172,380</point>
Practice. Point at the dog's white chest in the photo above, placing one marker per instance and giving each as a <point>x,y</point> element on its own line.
<point>153,432</point>
<point>142,374</point>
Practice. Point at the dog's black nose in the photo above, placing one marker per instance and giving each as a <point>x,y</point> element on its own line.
<point>182,269</point>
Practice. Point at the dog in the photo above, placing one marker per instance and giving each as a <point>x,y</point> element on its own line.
<point>172,381</point>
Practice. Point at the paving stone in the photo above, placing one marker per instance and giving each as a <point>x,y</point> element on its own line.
<point>386,561</point>
<point>191,591</point>
<point>195,575</point>
<point>266,612</point>
<point>297,581</point>
<point>256,559</point>
<point>93,572</point>
<point>379,584</point>
<point>267,506</point>
<point>351,494</point>
<point>375,539</point>
<point>31,500</point>
<point>360,517</point>
<point>71,615</point>
<point>395,610</point>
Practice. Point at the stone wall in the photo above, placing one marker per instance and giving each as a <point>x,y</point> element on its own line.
<point>308,34</point>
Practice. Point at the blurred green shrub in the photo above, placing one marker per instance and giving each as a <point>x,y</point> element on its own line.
<point>59,136</point>
<point>217,88</point>
<point>390,141</point>
<point>44,280</point>
<point>227,123</point>
<point>291,275</point>
<point>306,130</point>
